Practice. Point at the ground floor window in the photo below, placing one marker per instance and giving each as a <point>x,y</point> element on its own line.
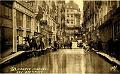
<point>6,41</point>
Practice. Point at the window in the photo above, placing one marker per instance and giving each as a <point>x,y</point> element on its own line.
<point>67,10</point>
<point>6,11</point>
<point>67,15</point>
<point>19,18</point>
<point>28,21</point>
<point>67,21</point>
<point>71,15</point>
<point>10,13</point>
<point>3,9</point>
<point>54,37</point>
<point>71,22</point>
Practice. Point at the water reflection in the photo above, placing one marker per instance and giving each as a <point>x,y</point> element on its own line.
<point>64,61</point>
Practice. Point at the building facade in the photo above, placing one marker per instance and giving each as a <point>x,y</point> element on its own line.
<point>61,35</point>
<point>49,21</point>
<point>101,20</point>
<point>72,19</point>
<point>6,28</point>
<point>17,21</point>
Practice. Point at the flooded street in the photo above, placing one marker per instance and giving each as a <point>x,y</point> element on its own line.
<point>63,61</point>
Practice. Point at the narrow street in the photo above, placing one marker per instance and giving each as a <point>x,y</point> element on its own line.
<point>63,61</point>
<point>32,31</point>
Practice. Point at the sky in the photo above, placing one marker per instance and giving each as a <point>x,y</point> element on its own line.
<point>79,2</point>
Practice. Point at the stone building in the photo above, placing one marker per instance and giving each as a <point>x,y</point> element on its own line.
<point>17,20</point>
<point>101,20</point>
<point>61,21</point>
<point>72,19</point>
<point>6,28</point>
<point>49,21</point>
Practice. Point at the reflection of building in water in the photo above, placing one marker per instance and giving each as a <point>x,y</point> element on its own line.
<point>72,19</point>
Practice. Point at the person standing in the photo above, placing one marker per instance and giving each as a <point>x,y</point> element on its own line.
<point>29,42</point>
<point>42,46</point>
<point>70,44</point>
<point>55,45</point>
<point>34,44</point>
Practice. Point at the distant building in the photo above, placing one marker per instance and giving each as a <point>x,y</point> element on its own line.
<point>72,19</point>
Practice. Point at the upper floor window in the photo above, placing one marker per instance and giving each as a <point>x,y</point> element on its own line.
<point>67,21</point>
<point>67,15</point>
<point>67,10</point>
<point>71,22</point>
<point>19,18</point>
<point>71,15</point>
<point>5,11</point>
<point>28,21</point>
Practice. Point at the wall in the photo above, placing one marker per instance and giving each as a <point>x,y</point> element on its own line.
<point>6,34</point>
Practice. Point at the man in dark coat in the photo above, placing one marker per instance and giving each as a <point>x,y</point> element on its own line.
<point>55,45</point>
<point>34,44</point>
<point>70,44</point>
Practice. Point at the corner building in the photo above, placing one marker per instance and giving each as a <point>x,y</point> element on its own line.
<point>72,19</point>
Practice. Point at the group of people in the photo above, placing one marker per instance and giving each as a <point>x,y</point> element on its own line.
<point>58,45</point>
<point>33,43</point>
<point>68,44</point>
<point>36,43</point>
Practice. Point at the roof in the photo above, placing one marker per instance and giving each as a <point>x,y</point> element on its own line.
<point>73,5</point>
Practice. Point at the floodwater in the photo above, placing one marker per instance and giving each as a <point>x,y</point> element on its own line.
<point>63,61</point>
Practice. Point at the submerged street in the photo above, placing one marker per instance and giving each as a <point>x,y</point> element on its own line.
<point>63,61</point>
<point>60,36</point>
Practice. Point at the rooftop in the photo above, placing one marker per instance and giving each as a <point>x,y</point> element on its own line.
<point>72,5</point>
